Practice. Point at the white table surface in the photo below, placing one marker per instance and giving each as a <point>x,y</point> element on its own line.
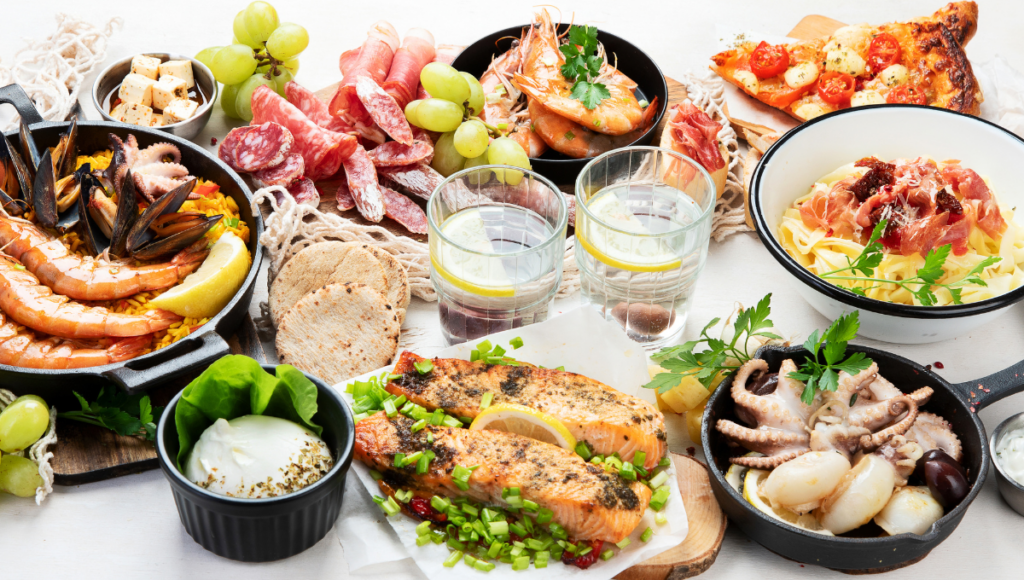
<point>129,525</point>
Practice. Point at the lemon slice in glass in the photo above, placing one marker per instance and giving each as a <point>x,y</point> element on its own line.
<point>752,493</point>
<point>470,271</point>
<point>207,291</point>
<point>525,421</point>
<point>619,249</point>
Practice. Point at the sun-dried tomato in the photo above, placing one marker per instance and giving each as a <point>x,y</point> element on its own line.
<point>585,561</point>
<point>423,509</point>
<point>879,175</point>
<point>948,202</point>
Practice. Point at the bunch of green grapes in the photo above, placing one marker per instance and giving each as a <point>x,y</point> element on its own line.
<point>456,100</point>
<point>264,51</point>
<point>22,423</point>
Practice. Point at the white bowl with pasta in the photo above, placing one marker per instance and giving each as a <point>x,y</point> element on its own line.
<point>807,155</point>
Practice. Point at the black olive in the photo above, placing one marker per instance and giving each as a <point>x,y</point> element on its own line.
<point>762,383</point>
<point>944,476</point>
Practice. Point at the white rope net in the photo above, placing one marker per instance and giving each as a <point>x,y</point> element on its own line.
<point>38,451</point>
<point>293,226</point>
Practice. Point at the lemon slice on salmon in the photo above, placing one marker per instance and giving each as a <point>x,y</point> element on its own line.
<point>208,290</point>
<point>525,421</point>
<point>752,493</point>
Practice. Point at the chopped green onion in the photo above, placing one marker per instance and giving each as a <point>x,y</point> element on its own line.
<point>437,417</point>
<point>583,450</point>
<point>558,531</point>
<point>393,377</point>
<point>660,518</point>
<point>530,506</point>
<point>453,559</point>
<point>486,400</point>
<point>376,475</point>
<point>516,343</point>
<point>660,498</point>
<point>423,540</point>
<point>537,545</point>
<point>469,560</point>
<point>451,421</point>
<point>423,528</point>
<point>613,461</point>
<point>607,555</point>
<point>424,366</point>
<point>412,458</point>
<point>474,355</point>
<point>627,472</point>
<point>659,479</point>
<point>484,347</point>
<point>399,459</point>
<point>583,552</point>
<point>360,416</point>
<point>569,136</point>
<point>515,501</point>
<point>521,563</point>
<point>540,559</point>
<point>597,459</point>
<point>544,515</point>
<point>665,462</point>
<point>498,528</point>
<point>509,491</point>
<point>561,368</point>
<point>518,530</point>
<point>622,545</point>
<point>517,549</point>
<point>439,503</point>
<point>403,495</point>
<point>437,538</point>
<point>471,510</point>
<point>643,103</point>
<point>483,566</point>
<point>465,420</point>
<point>646,536</point>
<point>455,544</point>
<point>388,505</point>
<point>418,426</point>
<point>495,549</point>
<point>638,458</point>
<point>430,437</point>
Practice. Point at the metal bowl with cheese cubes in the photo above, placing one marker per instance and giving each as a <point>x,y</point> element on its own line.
<point>167,92</point>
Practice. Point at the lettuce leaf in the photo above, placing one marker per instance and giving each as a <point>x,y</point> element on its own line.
<point>235,386</point>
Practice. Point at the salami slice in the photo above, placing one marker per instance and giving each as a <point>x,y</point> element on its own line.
<point>313,142</point>
<point>306,101</point>
<point>264,145</point>
<point>404,211</point>
<point>344,195</point>
<point>362,181</point>
<point>420,179</point>
<point>348,59</point>
<point>404,77</point>
<point>374,62</point>
<point>384,110</point>
<point>284,173</point>
<point>305,192</point>
<point>228,147</point>
<point>394,154</point>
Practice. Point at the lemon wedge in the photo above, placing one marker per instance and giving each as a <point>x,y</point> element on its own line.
<point>525,421</point>
<point>207,291</point>
<point>752,493</point>
<point>621,250</point>
<point>470,271</point>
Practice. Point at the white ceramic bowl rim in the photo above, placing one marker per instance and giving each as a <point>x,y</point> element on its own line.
<point>846,297</point>
<point>97,99</point>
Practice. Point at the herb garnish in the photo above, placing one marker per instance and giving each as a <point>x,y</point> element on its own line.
<point>919,285</point>
<point>720,356</point>
<point>582,65</point>
<point>123,414</point>
<point>823,377</point>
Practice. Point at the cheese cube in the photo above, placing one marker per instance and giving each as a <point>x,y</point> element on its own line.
<point>158,121</point>
<point>179,110</point>
<point>146,66</point>
<point>118,113</point>
<point>136,89</point>
<point>179,68</point>
<point>167,89</point>
<point>138,115</point>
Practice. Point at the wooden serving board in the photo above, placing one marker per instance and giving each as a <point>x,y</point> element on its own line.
<point>85,453</point>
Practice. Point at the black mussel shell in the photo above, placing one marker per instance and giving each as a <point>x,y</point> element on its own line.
<point>12,206</point>
<point>127,215</point>
<point>175,243</point>
<point>168,203</point>
<point>69,219</point>
<point>44,193</point>
<point>90,233</point>
<point>24,177</point>
<point>68,150</point>
<point>29,151</point>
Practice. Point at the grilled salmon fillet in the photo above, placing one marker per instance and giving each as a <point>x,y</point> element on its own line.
<point>589,503</point>
<point>606,419</point>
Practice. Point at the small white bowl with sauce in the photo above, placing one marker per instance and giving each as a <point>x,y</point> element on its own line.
<point>1007,448</point>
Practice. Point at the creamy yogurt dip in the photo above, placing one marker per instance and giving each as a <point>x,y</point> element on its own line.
<point>1010,454</point>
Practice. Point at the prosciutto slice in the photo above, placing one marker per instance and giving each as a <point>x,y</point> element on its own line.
<point>695,134</point>
<point>373,62</point>
<point>977,199</point>
<point>832,210</point>
<point>404,78</point>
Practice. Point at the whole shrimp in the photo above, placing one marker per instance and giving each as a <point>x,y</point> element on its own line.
<point>19,348</point>
<point>31,304</point>
<point>86,278</point>
<point>501,97</point>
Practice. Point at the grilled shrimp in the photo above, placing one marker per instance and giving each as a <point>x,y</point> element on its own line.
<point>33,305</point>
<point>85,278</point>
<point>19,348</point>
<point>542,80</point>
<point>501,103</point>
<point>570,138</point>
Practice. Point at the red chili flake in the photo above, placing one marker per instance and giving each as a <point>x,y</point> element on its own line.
<point>213,140</point>
<point>423,509</point>
<point>939,365</point>
<point>972,394</point>
<point>690,451</point>
<point>986,390</point>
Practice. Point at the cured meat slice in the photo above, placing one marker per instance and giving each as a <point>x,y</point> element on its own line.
<point>404,78</point>
<point>976,195</point>
<point>404,211</point>
<point>373,62</point>
<point>348,59</point>
<point>306,101</point>
<point>384,110</point>
<point>344,195</point>
<point>420,179</point>
<point>395,154</point>
<point>695,134</point>
<point>832,210</point>
<point>283,173</point>
<point>311,141</point>
<point>304,191</point>
<point>228,147</point>
<point>362,181</point>
<point>264,145</point>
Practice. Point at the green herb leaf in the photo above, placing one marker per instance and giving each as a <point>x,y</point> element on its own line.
<point>590,94</point>
<point>825,377</point>
<point>115,410</point>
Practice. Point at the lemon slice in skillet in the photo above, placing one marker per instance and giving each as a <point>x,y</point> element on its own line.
<point>525,421</point>
<point>752,493</point>
<point>208,290</point>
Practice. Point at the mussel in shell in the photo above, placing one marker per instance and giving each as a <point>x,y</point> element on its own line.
<point>88,231</point>
<point>169,202</point>
<point>126,216</point>
<point>65,154</point>
<point>44,193</point>
<point>29,151</point>
<point>189,227</point>
<point>67,199</point>
<point>18,180</point>
<point>102,211</point>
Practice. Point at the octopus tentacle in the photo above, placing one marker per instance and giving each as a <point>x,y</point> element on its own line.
<point>768,410</point>
<point>897,406</point>
<point>155,154</point>
<point>769,462</point>
<point>903,456</point>
<point>851,384</point>
<point>162,169</point>
<point>933,432</point>
<point>763,440</point>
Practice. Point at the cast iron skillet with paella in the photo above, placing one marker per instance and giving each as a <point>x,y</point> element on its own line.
<point>126,254</point>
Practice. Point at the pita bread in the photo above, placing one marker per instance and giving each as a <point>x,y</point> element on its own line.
<point>338,332</point>
<point>361,267</point>
<point>399,291</point>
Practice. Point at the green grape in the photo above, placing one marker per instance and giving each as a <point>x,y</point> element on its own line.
<point>410,112</point>
<point>22,423</point>
<point>505,151</point>
<point>446,158</point>
<point>288,41</point>
<point>233,64</point>
<point>243,100</point>
<point>283,78</point>
<point>476,93</point>
<point>241,34</point>
<point>439,115</point>
<point>478,177</point>
<point>206,55</point>
<point>19,476</point>
<point>292,65</point>
<point>260,21</point>
<point>444,82</point>
<point>227,100</point>
<point>471,139</point>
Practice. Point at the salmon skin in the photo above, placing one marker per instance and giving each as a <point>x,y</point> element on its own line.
<point>590,503</point>
<point>608,420</point>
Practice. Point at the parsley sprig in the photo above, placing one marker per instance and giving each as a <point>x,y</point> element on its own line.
<point>719,356</point>
<point>582,65</point>
<point>920,285</point>
<point>115,410</point>
<point>820,376</point>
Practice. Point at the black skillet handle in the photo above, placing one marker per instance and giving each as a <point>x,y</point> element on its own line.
<point>985,391</point>
<point>133,381</point>
<point>15,95</point>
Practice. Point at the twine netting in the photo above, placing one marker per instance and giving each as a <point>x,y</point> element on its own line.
<point>38,451</point>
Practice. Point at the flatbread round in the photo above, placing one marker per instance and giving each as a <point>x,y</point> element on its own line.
<point>399,291</point>
<point>361,266</point>
<point>338,332</point>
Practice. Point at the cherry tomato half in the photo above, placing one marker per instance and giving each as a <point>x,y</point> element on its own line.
<point>907,93</point>
<point>836,88</point>
<point>883,52</point>
<point>767,61</point>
